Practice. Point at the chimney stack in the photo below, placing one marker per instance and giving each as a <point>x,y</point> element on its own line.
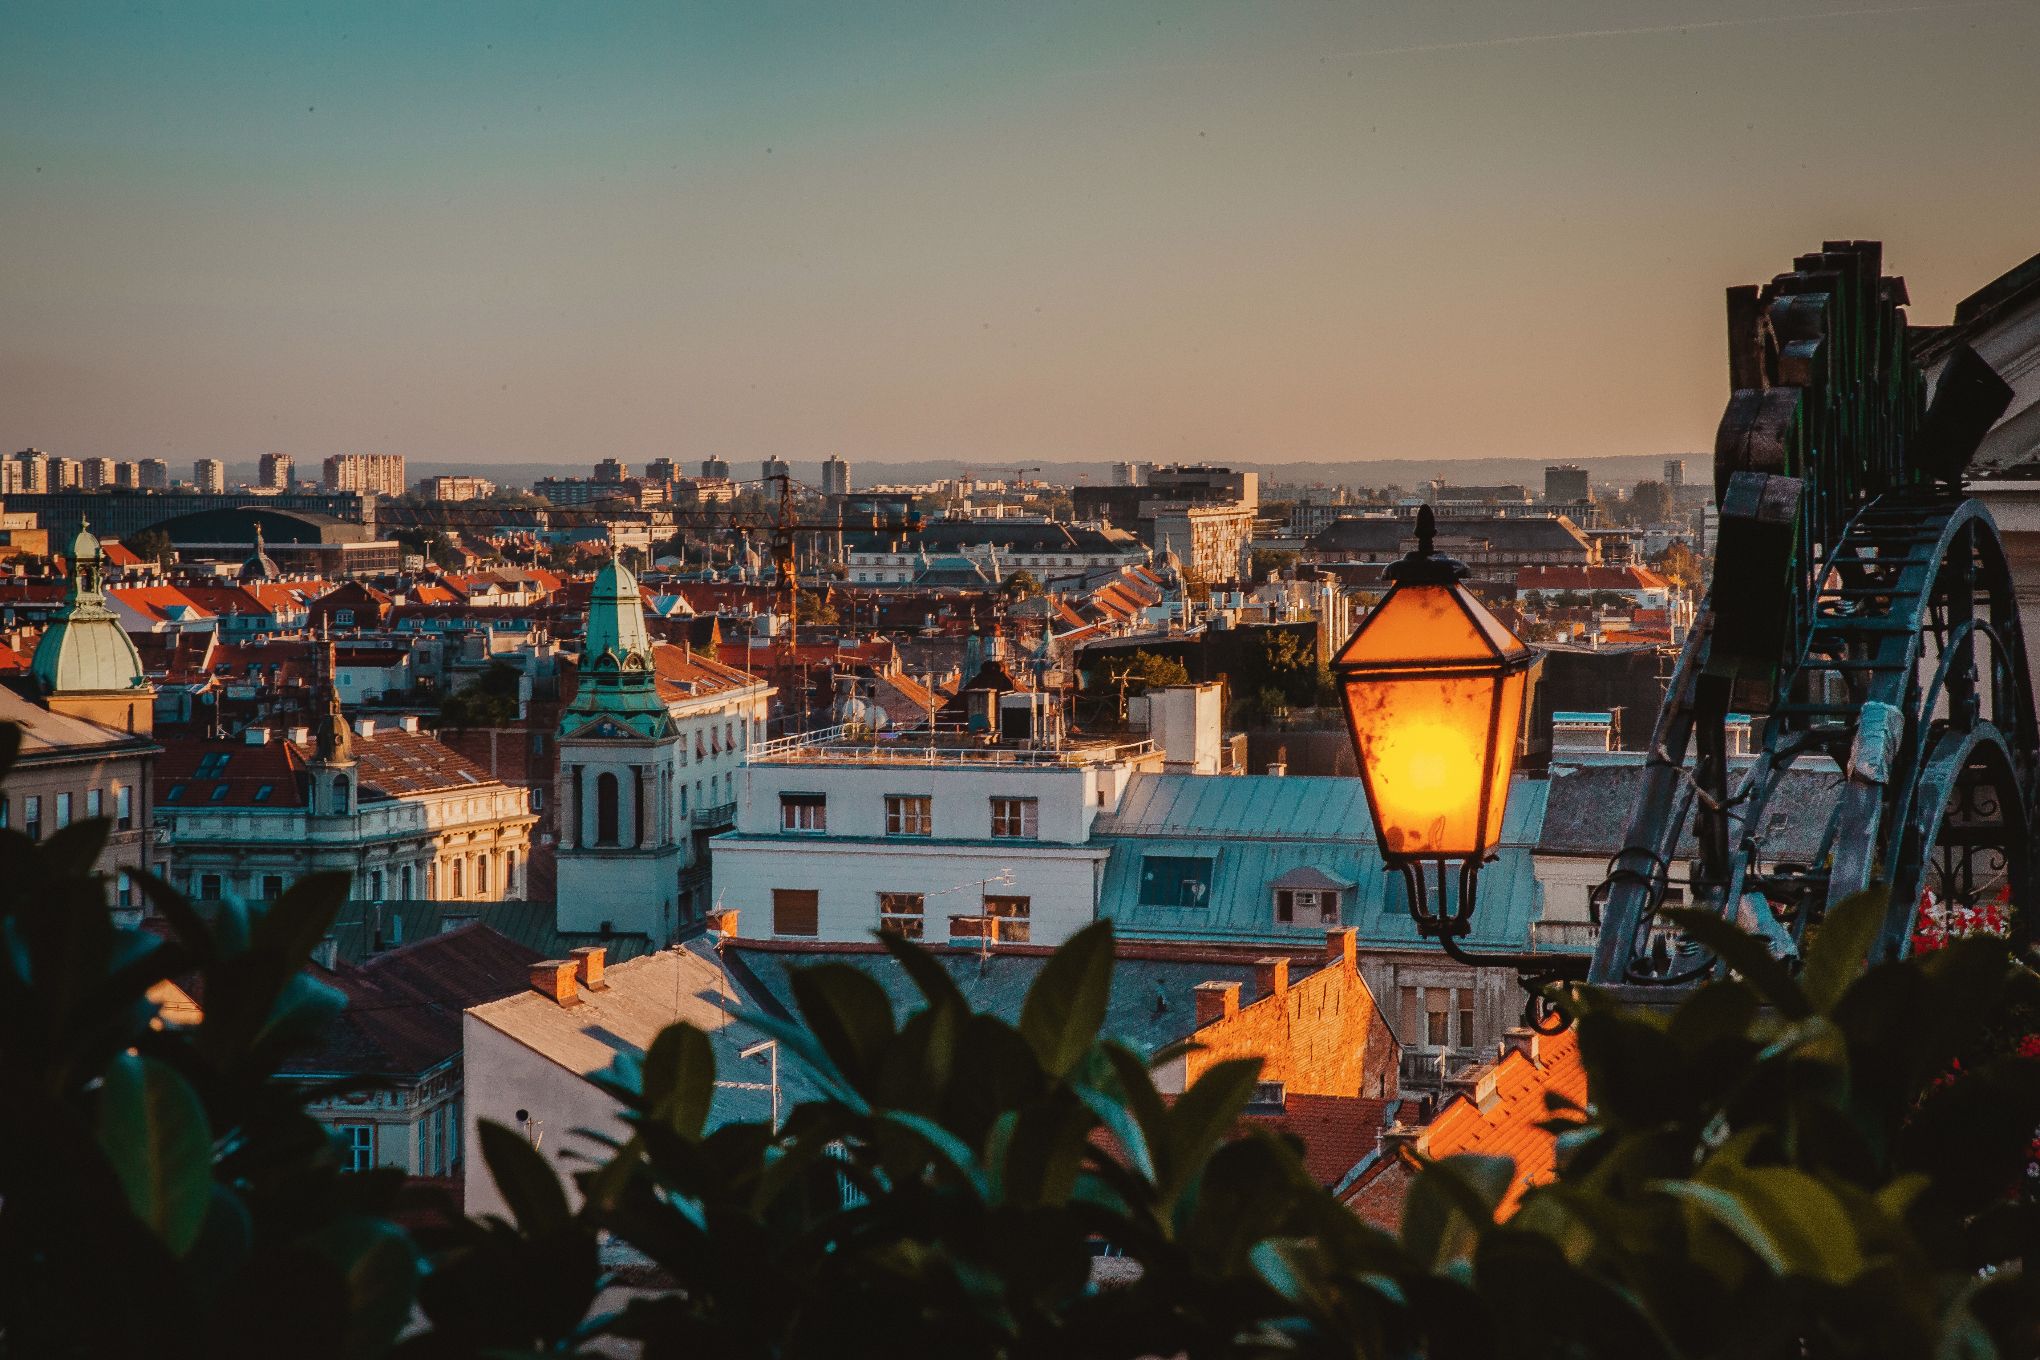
<point>1216,1001</point>
<point>1519,1040</point>
<point>1339,944</point>
<point>364,727</point>
<point>256,736</point>
<point>1271,976</point>
<point>1279,766</point>
<point>588,960</point>
<point>554,980</point>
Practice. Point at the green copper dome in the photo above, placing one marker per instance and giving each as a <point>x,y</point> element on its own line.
<point>616,622</point>
<point>85,650</point>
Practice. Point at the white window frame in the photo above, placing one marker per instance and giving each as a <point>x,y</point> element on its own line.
<point>1016,819</point>
<point>909,814</point>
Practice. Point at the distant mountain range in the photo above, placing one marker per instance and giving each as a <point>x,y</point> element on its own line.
<point>1405,472</point>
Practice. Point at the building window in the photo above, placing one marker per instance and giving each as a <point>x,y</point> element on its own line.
<point>1438,1026</point>
<point>729,736</point>
<point>432,881</point>
<point>1016,817</point>
<point>456,876</point>
<point>209,887</point>
<point>64,810</point>
<point>796,911</point>
<point>339,793</point>
<point>357,1147</point>
<point>375,884</point>
<point>123,890</point>
<point>1307,906</point>
<point>537,799</point>
<point>1175,880</point>
<point>909,814</point>
<point>31,816</point>
<point>482,874</point>
<point>806,812</point>
<point>95,803</point>
<point>901,913</point>
<point>6,811</point>
<point>509,873</point>
<point>272,887</point>
<point>605,808</point>
<point>405,879</point>
<point>344,617</point>
<point>1012,914</point>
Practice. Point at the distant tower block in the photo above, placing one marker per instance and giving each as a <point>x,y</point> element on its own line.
<point>1675,473</point>
<point>835,478</point>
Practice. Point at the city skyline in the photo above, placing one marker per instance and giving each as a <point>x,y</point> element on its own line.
<point>905,233</point>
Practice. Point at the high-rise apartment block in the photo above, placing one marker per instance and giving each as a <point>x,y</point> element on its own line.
<point>31,471</point>
<point>381,473</point>
<point>455,488</point>
<point>152,474</point>
<point>1675,473</point>
<point>99,472</point>
<point>610,470</point>
<point>1565,484</point>
<point>775,467</point>
<point>715,469</point>
<point>835,477</point>
<point>126,476</point>
<point>210,476</point>
<point>275,471</point>
<point>1130,474</point>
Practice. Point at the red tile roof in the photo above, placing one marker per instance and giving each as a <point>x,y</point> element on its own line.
<point>404,1006</point>
<point>1337,1132</point>
<point>1509,1125</point>
<point>1589,578</point>
<point>199,772</point>
<point>395,763</point>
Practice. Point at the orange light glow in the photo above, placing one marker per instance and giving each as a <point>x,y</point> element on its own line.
<point>1434,689</point>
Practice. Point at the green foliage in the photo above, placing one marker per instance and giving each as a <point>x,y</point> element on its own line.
<point>1649,503</point>
<point>1144,671</point>
<point>1681,566</point>
<point>151,545</point>
<point>489,700</point>
<point>1780,1167</point>
<point>161,1193</point>
<point>814,606</point>
<point>1264,562</point>
<point>1020,585</point>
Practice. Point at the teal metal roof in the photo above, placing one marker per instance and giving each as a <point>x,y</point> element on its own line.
<point>1256,828</point>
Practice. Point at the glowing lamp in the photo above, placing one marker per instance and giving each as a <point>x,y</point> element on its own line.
<point>1433,687</point>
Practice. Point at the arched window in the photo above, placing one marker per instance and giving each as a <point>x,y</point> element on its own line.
<point>605,808</point>
<point>339,793</point>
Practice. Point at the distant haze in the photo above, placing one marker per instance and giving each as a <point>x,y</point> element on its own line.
<point>1000,234</point>
<point>1404,472</point>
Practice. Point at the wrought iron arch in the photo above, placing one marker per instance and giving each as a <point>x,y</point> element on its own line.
<point>1863,611</point>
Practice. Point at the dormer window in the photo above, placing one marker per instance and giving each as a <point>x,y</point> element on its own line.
<point>1309,897</point>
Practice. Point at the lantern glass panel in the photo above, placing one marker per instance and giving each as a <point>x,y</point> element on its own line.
<point>1503,758</point>
<point>1418,625</point>
<point>1424,748</point>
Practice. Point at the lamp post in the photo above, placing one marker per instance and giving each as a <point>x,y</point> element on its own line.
<point>1433,686</point>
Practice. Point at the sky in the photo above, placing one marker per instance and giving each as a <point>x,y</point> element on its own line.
<point>1268,230</point>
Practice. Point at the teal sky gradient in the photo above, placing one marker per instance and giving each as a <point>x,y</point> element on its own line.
<point>1004,232</point>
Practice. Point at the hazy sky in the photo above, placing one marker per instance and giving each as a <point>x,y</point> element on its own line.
<point>999,231</point>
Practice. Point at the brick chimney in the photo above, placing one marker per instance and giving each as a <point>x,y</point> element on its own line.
<point>554,980</point>
<point>1271,976</point>
<point>1339,943</point>
<point>588,961</point>
<point>1519,1040</point>
<point>1216,1000</point>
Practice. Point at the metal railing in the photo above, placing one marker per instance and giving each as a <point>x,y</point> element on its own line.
<point>856,746</point>
<point>722,814</point>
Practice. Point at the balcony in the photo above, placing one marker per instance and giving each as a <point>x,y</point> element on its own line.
<point>720,817</point>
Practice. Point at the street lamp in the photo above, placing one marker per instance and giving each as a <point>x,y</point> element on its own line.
<point>1433,687</point>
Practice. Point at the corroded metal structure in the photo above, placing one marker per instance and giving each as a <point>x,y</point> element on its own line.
<point>1862,611</point>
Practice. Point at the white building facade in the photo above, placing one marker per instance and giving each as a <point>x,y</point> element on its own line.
<point>835,840</point>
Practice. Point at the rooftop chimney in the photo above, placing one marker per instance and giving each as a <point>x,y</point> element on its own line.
<point>409,722</point>
<point>588,960</point>
<point>256,736</point>
<point>554,980</point>
<point>1279,766</point>
<point>1271,976</point>
<point>1519,1040</point>
<point>299,735</point>
<point>1339,943</point>
<point>1216,1000</point>
<point>364,727</point>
